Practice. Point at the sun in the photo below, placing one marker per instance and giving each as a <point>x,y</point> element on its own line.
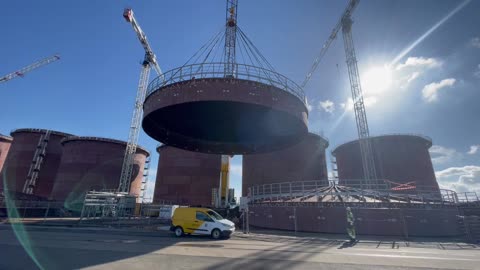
<point>377,79</point>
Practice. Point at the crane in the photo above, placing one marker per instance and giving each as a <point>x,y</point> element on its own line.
<point>230,37</point>
<point>229,70</point>
<point>366,148</point>
<point>22,71</point>
<point>149,61</point>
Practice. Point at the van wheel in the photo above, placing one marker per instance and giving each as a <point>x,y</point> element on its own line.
<point>178,231</point>
<point>216,234</point>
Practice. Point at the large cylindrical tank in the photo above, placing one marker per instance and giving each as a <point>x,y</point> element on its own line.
<point>399,159</point>
<point>5,143</point>
<point>186,178</point>
<point>305,161</point>
<point>92,163</point>
<point>20,157</point>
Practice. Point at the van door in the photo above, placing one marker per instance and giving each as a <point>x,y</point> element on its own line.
<point>205,223</point>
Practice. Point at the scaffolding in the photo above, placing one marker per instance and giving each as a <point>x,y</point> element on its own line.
<point>108,204</point>
<point>143,188</point>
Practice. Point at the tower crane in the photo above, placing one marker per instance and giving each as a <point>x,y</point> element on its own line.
<point>229,69</point>
<point>366,148</point>
<point>149,61</point>
<point>22,71</point>
<point>230,37</point>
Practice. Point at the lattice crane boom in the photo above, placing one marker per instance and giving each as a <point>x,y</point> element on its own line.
<point>150,57</point>
<point>366,147</point>
<point>230,37</point>
<point>149,61</point>
<point>347,13</point>
<point>22,71</point>
<point>345,23</point>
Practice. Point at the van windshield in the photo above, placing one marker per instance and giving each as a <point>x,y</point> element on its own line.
<point>214,215</point>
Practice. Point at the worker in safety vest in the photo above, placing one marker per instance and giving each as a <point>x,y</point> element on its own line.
<point>351,225</point>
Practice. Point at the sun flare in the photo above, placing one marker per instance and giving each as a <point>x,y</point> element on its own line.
<point>377,80</point>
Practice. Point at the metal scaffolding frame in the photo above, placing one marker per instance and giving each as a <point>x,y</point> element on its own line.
<point>108,204</point>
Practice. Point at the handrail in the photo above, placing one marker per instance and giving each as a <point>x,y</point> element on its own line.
<point>217,70</point>
<point>290,190</point>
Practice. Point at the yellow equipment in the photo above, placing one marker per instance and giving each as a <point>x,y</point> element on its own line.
<point>201,221</point>
<point>224,181</point>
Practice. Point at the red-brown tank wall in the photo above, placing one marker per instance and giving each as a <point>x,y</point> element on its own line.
<point>227,90</point>
<point>186,178</point>
<point>93,164</point>
<point>304,161</point>
<point>20,158</point>
<point>5,143</point>
<point>368,221</point>
<point>398,158</point>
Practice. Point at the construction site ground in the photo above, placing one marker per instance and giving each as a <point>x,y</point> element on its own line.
<point>65,244</point>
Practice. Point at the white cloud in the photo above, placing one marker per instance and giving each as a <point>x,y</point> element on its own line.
<point>413,76</point>
<point>327,105</point>
<point>420,62</point>
<point>473,149</point>
<point>475,42</point>
<point>441,154</point>
<point>460,179</point>
<point>367,101</point>
<point>476,73</point>
<point>430,91</point>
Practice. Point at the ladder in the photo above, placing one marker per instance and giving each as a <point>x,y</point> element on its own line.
<point>143,188</point>
<point>36,165</point>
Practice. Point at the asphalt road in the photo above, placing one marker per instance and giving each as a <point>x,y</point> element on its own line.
<point>74,248</point>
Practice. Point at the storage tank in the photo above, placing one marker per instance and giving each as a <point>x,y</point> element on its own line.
<point>186,178</point>
<point>304,161</point>
<point>21,156</point>
<point>5,142</point>
<point>402,160</point>
<point>92,163</point>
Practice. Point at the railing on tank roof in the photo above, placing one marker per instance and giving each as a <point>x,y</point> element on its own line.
<point>379,191</point>
<point>217,70</point>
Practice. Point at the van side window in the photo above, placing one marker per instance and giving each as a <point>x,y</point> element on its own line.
<point>203,217</point>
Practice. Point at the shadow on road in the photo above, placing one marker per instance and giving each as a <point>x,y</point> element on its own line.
<point>348,244</point>
<point>284,256</point>
<point>73,248</point>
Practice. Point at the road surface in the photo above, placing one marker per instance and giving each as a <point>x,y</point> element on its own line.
<point>74,248</point>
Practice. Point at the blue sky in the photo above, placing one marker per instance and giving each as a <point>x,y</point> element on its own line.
<point>433,89</point>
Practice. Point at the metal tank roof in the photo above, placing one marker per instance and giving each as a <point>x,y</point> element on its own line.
<point>322,138</point>
<point>39,130</point>
<point>100,139</point>
<point>428,140</point>
<point>5,138</point>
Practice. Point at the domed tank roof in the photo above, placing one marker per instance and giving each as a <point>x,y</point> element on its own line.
<point>100,139</point>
